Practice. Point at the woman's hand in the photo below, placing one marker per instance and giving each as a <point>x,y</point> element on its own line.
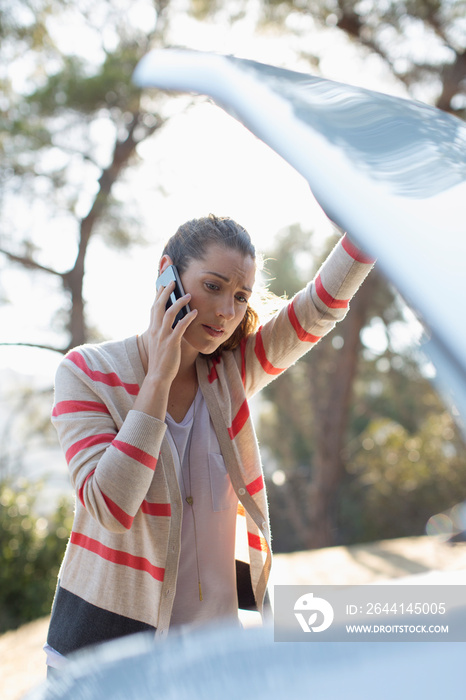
<point>163,347</point>
<point>163,344</point>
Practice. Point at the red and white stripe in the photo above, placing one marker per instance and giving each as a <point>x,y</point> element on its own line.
<point>239,420</point>
<point>150,509</point>
<point>135,453</point>
<point>117,556</point>
<point>213,376</point>
<point>144,458</point>
<point>257,542</point>
<point>261,355</point>
<point>124,518</point>
<point>86,442</point>
<point>65,407</point>
<point>302,334</point>
<point>327,298</point>
<point>107,378</point>
<point>355,252</point>
<point>256,485</point>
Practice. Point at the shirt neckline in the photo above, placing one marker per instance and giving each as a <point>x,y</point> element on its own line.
<point>188,418</point>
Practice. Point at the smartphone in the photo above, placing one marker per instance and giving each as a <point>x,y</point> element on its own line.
<point>170,274</point>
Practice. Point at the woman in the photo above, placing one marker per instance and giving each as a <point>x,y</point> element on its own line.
<point>171,523</point>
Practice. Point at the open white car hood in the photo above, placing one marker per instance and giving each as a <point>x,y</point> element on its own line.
<point>390,171</point>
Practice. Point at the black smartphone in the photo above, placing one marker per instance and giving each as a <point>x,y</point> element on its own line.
<point>170,274</point>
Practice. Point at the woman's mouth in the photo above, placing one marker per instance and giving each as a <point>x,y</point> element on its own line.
<point>214,331</point>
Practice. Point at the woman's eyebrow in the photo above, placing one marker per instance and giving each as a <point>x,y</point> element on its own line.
<point>226,279</point>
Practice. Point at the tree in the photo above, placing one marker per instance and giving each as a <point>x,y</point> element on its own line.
<point>399,479</point>
<point>51,138</point>
<point>422,42</point>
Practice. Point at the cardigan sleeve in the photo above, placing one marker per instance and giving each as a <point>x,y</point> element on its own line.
<point>304,320</point>
<point>111,456</point>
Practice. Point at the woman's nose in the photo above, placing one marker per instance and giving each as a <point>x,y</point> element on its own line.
<point>226,308</point>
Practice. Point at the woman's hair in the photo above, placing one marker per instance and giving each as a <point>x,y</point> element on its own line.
<point>192,241</point>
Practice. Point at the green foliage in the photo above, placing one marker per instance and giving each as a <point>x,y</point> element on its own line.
<point>31,550</point>
<point>74,88</point>
<point>397,480</point>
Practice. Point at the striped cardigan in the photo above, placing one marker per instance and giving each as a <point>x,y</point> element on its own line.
<point>120,568</point>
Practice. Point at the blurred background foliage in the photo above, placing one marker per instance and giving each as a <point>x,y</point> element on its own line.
<point>31,549</point>
<point>357,445</point>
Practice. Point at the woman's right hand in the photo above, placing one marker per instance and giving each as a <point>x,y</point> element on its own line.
<point>162,344</point>
<point>162,341</point>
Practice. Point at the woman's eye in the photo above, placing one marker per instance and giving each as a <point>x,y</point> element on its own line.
<point>242,299</point>
<point>212,287</point>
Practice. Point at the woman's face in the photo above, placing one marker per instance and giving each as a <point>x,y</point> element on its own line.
<point>220,285</point>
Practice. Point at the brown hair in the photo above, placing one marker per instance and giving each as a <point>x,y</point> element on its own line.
<point>191,242</point>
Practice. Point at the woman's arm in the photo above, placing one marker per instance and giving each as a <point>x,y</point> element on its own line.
<point>310,315</point>
<point>110,430</point>
<point>111,467</point>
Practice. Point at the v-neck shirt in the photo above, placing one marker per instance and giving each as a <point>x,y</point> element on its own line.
<point>208,538</point>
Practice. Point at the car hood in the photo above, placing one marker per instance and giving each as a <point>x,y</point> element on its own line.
<point>389,171</point>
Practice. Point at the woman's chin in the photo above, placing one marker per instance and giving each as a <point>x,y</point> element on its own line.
<point>205,345</point>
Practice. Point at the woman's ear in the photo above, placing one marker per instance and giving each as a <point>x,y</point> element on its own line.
<point>165,261</point>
